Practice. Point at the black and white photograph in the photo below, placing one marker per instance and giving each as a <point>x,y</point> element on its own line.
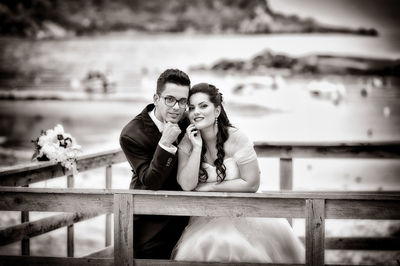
<point>215,132</point>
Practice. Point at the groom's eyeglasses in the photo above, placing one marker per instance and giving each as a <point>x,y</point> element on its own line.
<point>171,101</point>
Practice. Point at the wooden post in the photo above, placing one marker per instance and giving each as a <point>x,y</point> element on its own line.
<point>70,228</point>
<point>315,232</point>
<point>108,215</point>
<point>25,243</point>
<point>286,176</point>
<point>123,229</point>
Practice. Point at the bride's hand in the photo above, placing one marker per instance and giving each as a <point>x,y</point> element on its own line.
<point>194,136</point>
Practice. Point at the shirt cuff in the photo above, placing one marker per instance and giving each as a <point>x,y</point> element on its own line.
<point>171,149</point>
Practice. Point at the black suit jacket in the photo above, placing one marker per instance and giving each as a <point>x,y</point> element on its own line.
<point>153,169</point>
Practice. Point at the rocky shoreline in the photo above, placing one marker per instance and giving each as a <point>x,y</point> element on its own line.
<point>47,19</point>
<point>309,64</point>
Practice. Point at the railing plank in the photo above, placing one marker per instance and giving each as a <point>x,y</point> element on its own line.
<point>70,228</point>
<point>147,262</point>
<point>32,176</point>
<point>286,174</point>
<point>56,261</point>
<point>328,195</point>
<point>100,159</point>
<point>328,150</point>
<point>56,201</point>
<point>227,206</point>
<point>42,171</point>
<point>108,215</point>
<point>107,252</point>
<point>34,172</point>
<point>25,242</point>
<point>315,232</point>
<point>363,243</point>
<point>362,209</point>
<point>24,260</point>
<point>30,229</point>
<point>369,205</point>
<point>123,229</point>
<point>39,261</point>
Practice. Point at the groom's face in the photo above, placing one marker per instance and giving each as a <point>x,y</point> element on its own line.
<point>168,108</point>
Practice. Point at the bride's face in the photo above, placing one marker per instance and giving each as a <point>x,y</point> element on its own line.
<point>202,112</point>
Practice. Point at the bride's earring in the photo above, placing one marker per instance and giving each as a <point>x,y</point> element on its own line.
<point>216,121</point>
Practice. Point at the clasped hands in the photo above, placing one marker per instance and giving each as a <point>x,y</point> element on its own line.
<point>170,134</point>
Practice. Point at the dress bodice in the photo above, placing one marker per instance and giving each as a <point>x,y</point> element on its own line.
<point>232,170</point>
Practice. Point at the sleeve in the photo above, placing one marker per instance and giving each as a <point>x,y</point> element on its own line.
<point>171,149</point>
<point>244,151</point>
<point>185,145</point>
<point>152,169</point>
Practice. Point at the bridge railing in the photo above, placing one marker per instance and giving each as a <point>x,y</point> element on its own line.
<point>23,175</point>
<point>314,207</point>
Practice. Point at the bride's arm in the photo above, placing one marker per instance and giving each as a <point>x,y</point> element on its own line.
<point>249,181</point>
<point>188,169</point>
<point>189,162</point>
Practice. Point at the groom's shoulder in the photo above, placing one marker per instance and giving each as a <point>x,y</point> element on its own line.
<point>135,127</point>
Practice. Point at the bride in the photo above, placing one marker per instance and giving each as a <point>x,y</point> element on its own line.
<point>215,156</point>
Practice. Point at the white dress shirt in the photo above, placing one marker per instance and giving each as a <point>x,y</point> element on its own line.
<point>160,126</point>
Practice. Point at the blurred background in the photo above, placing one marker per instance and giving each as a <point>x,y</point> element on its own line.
<point>290,71</point>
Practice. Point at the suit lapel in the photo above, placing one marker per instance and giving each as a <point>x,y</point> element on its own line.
<point>149,126</point>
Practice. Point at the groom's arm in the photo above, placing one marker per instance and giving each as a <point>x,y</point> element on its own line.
<point>152,169</point>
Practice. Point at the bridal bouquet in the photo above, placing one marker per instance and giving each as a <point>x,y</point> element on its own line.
<point>58,146</point>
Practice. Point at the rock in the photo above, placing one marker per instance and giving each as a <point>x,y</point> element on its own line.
<point>364,92</point>
<point>51,30</point>
<point>226,65</point>
<point>327,90</point>
<point>370,132</point>
<point>386,111</point>
<point>377,82</point>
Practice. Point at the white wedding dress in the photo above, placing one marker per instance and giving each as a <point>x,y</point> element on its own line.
<point>225,239</point>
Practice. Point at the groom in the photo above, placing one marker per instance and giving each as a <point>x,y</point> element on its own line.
<point>149,142</point>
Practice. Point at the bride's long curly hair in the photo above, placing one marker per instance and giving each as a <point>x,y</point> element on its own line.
<point>222,135</point>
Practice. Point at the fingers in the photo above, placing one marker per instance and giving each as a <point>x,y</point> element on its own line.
<point>192,131</point>
<point>172,127</point>
<point>190,128</point>
<point>170,133</point>
<point>194,136</point>
<point>170,124</point>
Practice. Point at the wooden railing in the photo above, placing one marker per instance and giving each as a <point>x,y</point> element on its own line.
<point>315,207</point>
<point>41,171</point>
<point>35,172</point>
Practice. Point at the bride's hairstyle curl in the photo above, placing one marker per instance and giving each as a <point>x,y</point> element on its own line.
<point>222,135</point>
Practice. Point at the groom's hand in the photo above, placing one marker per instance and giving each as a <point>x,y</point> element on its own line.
<point>170,134</point>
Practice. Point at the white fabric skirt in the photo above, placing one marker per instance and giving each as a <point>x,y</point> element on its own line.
<point>225,239</point>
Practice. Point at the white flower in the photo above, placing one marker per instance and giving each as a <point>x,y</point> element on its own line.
<point>59,129</point>
<point>59,147</point>
<point>49,149</point>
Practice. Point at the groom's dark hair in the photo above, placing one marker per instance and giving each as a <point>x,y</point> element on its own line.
<point>175,76</point>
